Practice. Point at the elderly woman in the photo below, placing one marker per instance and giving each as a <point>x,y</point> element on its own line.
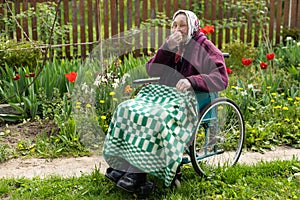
<point>148,134</point>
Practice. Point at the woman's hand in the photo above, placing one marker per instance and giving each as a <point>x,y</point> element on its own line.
<point>183,85</point>
<point>174,40</point>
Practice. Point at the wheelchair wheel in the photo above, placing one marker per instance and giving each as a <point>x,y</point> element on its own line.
<point>219,138</point>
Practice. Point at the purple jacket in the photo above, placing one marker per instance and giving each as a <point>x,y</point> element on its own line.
<point>202,64</point>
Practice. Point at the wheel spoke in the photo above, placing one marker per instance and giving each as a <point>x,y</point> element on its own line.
<point>218,142</point>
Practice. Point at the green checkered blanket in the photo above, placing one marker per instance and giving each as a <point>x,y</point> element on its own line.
<point>151,131</point>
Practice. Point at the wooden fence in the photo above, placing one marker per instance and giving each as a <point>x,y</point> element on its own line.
<point>89,18</point>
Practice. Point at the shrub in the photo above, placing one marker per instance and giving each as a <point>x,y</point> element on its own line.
<point>237,51</point>
<point>19,54</point>
<point>294,33</point>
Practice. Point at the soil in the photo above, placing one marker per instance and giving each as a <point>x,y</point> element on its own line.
<point>76,166</point>
<point>12,133</point>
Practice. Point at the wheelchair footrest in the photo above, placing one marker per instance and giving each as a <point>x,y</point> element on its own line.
<point>209,154</point>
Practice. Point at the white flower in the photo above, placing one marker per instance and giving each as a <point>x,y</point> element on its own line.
<point>244,93</point>
<point>117,81</point>
<point>288,38</point>
<point>125,76</point>
<point>298,44</point>
<point>84,88</point>
<point>250,86</point>
<point>114,85</point>
<point>97,81</point>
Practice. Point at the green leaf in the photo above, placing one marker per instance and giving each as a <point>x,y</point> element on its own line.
<point>10,118</point>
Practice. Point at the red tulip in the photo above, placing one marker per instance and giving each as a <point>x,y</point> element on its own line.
<point>246,61</point>
<point>17,77</point>
<point>27,75</point>
<point>31,74</point>
<point>270,56</point>
<point>229,70</point>
<point>71,76</point>
<point>207,29</point>
<point>263,65</point>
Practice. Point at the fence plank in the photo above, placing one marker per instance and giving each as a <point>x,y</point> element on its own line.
<point>191,4</point>
<point>66,21</point>
<point>249,30</point>
<point>121,16</point>
<point>145,32</point>
<point>153,33</point>
<point>74,26</point>
<point>33,21</point>
<point>234,30</point>
<point>114,17</point>
<point>137,24</point>
<point>129,14</point>
<point>106,19</point>
<point>2,14</point>
<point>294,14</point>
<point>82,28</point>
<point>278,21</point>
<point>90,23</point>
<point>298,15</point>
<point>213,17</point>
<point>272,16</point>
<point>206,10</point>
<point>220,31</point>
<point>227,30</point>
<point>286,13</point>
<point>18,30</point>
<point>9,15</point>
<point>25,20</point>
<point>59,21</point>
<point>168,14</point>
<point>98,20</point>
<point>160,31</point>
<point>175,6</point>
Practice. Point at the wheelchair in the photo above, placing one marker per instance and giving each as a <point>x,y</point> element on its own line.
<point>218,139</point>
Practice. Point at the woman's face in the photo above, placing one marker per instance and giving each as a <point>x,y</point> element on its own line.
<point>180,24</point>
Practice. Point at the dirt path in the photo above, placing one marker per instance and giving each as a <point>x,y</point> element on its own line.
<point>67,167</point>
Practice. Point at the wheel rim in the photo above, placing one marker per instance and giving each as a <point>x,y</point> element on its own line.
<point>221,147</point>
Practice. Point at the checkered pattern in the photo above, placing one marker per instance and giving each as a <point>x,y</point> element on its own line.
<point>151,131</point>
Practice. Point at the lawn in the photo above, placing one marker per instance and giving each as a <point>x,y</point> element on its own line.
<point>264,180</point>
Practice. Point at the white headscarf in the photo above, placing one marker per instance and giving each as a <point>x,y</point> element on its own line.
<point>193,22</point>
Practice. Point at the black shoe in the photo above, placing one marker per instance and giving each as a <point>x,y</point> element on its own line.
<point>145,189</point>
<point>135,183</point>
<point>114,174</point>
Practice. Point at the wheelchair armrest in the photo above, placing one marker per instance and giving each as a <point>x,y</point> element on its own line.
<point>225,55</point>
<point>146,80</point>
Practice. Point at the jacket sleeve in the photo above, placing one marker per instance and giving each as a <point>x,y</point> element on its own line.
<point>162,60</point>
<point>210,65</point>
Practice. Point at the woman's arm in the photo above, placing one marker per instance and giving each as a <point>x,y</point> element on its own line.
<point>211,75</point>
<point>163,58</point>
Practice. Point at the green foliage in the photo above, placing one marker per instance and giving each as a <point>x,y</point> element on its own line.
<point>278,178</point>
<point>256,11</point>
<point>19,54</point>
<point>45,15</point>
<point>44,95</point>
<point>269,98</point>
<point>288,55</point>
<point>238,50</point>
<point>5,152</point>
<point>160,20</point>
<point>293,33</point>
<point>14,91</point>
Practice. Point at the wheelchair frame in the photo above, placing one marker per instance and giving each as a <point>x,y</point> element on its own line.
<point>217,141</point>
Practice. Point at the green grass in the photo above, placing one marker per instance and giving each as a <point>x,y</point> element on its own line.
<point>272,180</point>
